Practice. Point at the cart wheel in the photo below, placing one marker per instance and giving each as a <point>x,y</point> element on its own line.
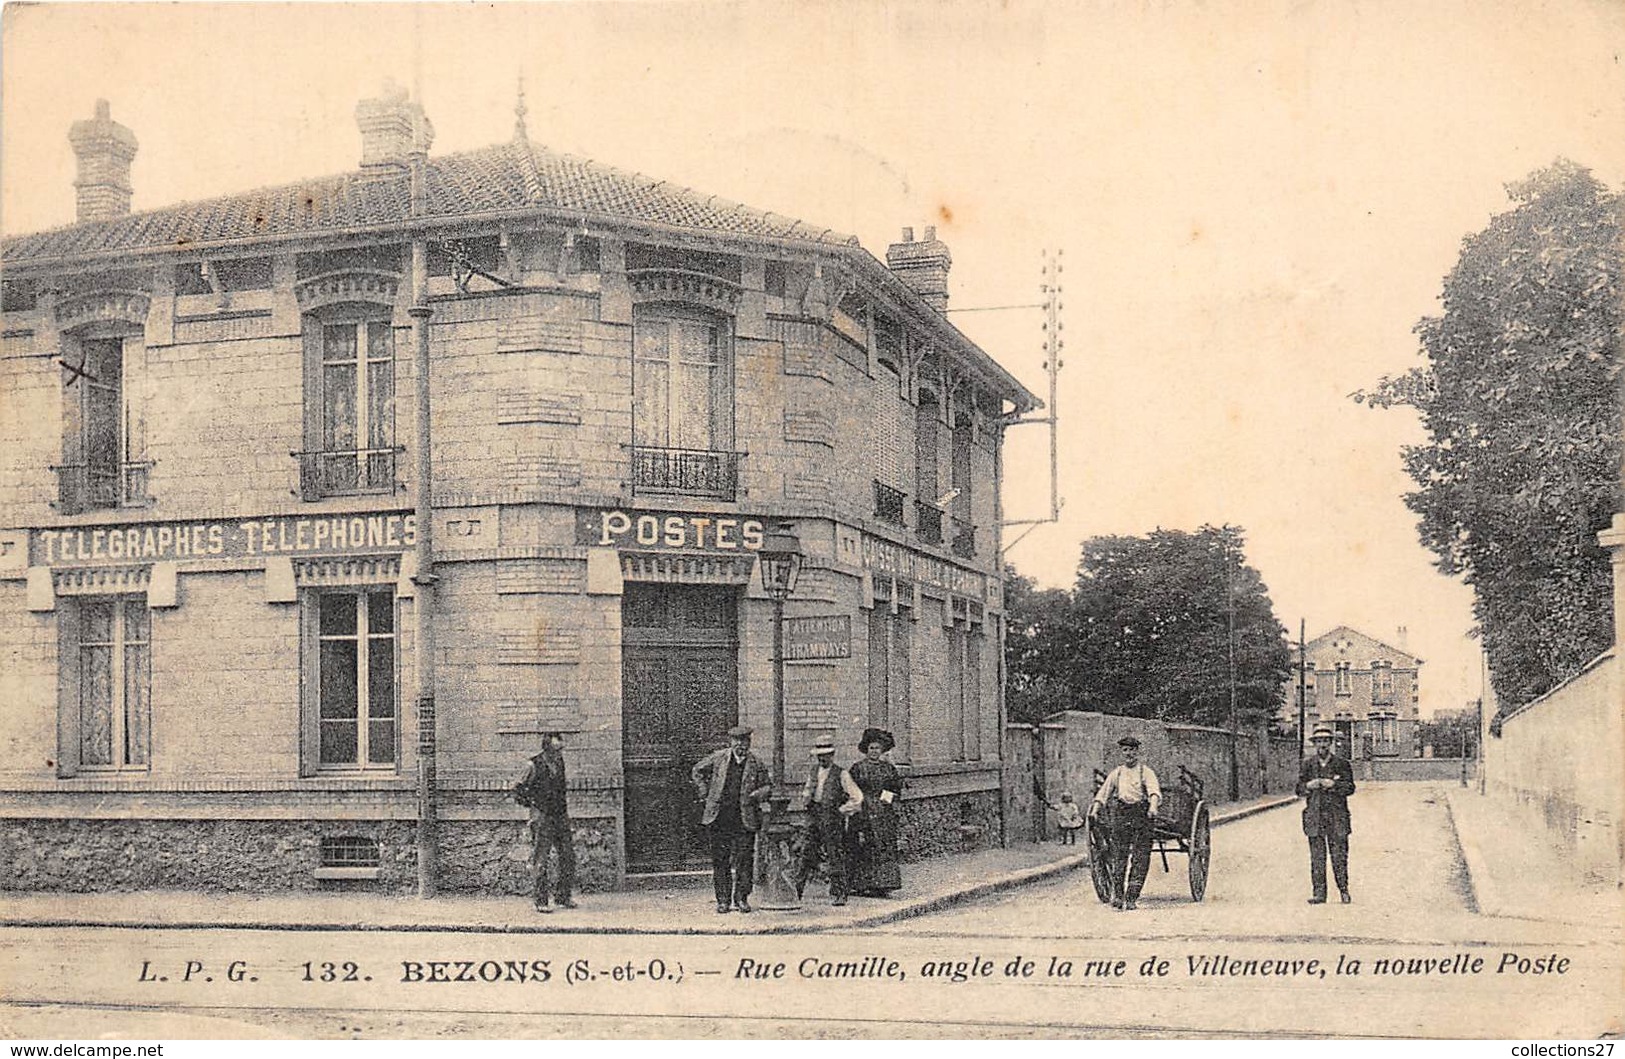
<point>1099,872</point>
<point>1201,850</point>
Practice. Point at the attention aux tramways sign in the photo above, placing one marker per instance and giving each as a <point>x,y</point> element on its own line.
<point>147,542</point>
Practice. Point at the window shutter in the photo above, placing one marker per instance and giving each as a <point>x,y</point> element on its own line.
<point>67,688</point>
<point>310,466</point>
<point>888,431</point>
<point>722,385</point>
<point>310,687</point>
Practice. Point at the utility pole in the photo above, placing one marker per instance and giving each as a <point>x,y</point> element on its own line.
<point>423,581</point>
<point>1230,634</point>
<point>1053,344</point>
<point>1303,680</point>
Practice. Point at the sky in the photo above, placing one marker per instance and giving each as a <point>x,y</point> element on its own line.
<point>1255,202</point>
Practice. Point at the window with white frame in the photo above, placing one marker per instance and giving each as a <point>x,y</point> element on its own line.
<point>349,404</point>
<point>113,679</point>
<point>358,407</point>
<point>1382,682</point>
<point>1343,681</point>
<point>682,382</point>
<point>356,677</point>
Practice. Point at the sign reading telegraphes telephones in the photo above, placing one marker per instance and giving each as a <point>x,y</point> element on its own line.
<point>147,542</point>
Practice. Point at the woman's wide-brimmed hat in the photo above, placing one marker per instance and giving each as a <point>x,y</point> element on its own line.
<point>876,735</point>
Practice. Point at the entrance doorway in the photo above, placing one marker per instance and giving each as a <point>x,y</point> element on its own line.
<point>679,697</point>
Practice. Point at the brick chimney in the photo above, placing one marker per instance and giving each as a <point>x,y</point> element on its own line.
<point>923,266</point>
<point>390,124</point>
<point>104,149</point>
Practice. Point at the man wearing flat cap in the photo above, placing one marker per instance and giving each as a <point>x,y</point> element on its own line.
<point>1128,800</point>
<point>733,783</point>
<point>830,796</point>
<point>1325,783</point>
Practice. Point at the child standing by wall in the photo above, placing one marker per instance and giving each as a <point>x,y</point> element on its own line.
<point>1070,817</point>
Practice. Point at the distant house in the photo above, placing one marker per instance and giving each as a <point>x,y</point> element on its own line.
<point>1367,690</point>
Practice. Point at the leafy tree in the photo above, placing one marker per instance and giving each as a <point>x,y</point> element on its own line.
<point>1450,735</point>
<point>1521,403</point>
<point>1038,650</point>
<point>1146,632</point>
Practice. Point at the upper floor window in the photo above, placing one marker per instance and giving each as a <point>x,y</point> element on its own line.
<point>963,539</point>
<point>1343,680</point>
<point>927,481</point>
<point>682,404</point>
<point>1382,682</point>
<point>102,442</point>
<point>890,493</point>
<point>349,407</point>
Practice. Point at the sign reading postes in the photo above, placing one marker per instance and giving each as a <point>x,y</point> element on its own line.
<point>818,637</point>
<point>148,542</point>
<point>667,531</point>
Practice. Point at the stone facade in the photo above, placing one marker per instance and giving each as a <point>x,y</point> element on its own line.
<point>222,528</point>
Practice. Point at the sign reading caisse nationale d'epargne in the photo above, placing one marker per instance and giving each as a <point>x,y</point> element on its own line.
<point>148,542</point>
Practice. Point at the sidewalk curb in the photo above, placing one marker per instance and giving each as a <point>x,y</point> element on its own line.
<point>908,910</point>
<point>1481,897</point>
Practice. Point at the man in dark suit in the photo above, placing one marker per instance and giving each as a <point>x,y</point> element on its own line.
<point>1325,783</point>
<point>733,783</point>
<point>542,791</point>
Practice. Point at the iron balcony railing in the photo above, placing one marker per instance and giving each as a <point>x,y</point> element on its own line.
<point>685,472</point>
<point>95,486</point>
<point>889,504</point>
<point>929,522</point>
<point>964,542</point>
<point>347,472</point>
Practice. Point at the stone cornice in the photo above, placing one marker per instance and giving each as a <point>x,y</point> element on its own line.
<point>372,286</point>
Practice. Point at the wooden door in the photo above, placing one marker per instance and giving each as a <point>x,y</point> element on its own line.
<point>680,695</point>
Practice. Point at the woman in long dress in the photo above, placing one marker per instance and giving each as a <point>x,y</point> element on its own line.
<point>875,869</point>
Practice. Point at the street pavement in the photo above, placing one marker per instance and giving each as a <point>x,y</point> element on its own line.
<point>1043,959</point>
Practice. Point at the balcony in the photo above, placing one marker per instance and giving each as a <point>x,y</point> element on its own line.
<point>685,472</point>
<point>889,504</point>
<point>96,487</point>
<point>347,472</point>
<point>964,542</point>
<point>929,520</point>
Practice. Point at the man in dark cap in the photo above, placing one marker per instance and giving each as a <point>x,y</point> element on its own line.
<point>733,783</point>
<point>1128,800</point>
<point>1325,783</point>
<point>830,796</point>
<point>542,791</point>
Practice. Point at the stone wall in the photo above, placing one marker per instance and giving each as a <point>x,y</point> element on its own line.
<point>1082,743</point>
<point>1557,760</point>
<point>1434,769</point>
<point>257,856</point>
<point>955,823</point>
<point>265,856</point>
<point>493,856</point>
<point>1023,811</point>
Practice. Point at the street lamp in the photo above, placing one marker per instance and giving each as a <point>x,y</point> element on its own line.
<point>779,561</point>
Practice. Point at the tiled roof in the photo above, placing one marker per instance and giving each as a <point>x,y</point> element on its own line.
<point>512,176</point>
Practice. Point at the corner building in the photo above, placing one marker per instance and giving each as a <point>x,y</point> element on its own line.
<point>207,604</point>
